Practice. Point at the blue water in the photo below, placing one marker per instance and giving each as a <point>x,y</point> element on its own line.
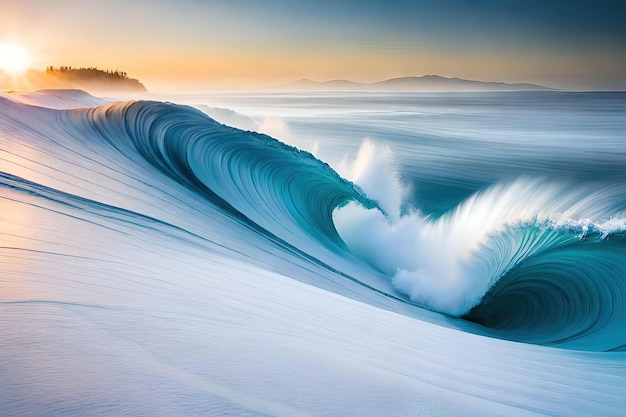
<point>555,275</point>
<point>466,219</point>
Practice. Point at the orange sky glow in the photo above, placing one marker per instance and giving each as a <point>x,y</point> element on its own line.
<point>191,43</point>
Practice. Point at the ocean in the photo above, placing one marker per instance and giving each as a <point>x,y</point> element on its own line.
<point>266,253</point>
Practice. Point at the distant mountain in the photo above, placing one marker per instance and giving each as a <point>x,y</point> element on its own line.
<point>426,83</point>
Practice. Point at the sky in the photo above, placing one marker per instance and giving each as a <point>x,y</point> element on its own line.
<point>574,44</point>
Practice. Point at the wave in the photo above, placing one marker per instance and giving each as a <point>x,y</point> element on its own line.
<point>570,295</point>
<point>533,260</point>
<point>279,189</point>
<point>146,157</point>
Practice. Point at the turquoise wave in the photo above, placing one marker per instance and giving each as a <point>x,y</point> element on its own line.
<point>277,188</point>
<point>534,279</point>
<point>569,291</point>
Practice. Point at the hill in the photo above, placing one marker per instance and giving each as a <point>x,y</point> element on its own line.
<point>426,83</point>
<point>92,79</point>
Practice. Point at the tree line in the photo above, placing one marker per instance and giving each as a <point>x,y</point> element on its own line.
<point>88,72</point>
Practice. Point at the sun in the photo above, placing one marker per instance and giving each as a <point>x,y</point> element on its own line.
<point>13,58</point>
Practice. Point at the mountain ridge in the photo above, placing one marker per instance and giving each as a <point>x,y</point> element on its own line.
<point>425,83</point>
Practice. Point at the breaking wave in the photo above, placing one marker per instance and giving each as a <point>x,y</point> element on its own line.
<point>533,260</point>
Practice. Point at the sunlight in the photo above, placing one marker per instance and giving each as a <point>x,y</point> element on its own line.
<point>13,58</point>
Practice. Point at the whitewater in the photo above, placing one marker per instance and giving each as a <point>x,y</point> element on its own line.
<point>295,254</point>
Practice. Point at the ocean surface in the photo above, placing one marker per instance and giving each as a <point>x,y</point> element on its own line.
<point>323,254</point>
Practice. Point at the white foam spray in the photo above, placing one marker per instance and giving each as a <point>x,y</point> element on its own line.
<point>448,264</point>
